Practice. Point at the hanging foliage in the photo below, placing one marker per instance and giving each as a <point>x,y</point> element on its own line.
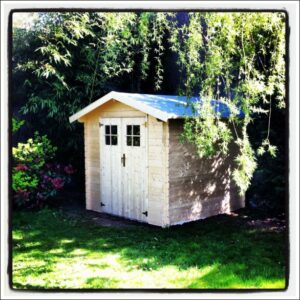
<point>66,60</point>
<point>239,59</point>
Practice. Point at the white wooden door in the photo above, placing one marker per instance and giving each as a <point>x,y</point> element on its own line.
<point>123,174</point>
<point>110,167</point>
<point>134,172</point>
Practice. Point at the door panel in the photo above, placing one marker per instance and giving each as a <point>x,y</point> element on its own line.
<point>123,173</point>
<point>110,168</point>
<point>134,178</point>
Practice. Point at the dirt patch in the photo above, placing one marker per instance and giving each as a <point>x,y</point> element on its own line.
<point>268,224</point>
<point>261,220</point>
<point>102,219</point>
<point>73,205</point>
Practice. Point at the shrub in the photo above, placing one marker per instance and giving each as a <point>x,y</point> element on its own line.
<point>35,178</point>
<point>16,124</point>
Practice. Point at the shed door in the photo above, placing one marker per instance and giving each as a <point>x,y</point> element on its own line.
<point>123,167</point>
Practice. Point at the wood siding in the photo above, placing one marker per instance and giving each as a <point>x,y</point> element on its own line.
<point>157,167</point>
<point>198,188</point>
<point>156,159</point>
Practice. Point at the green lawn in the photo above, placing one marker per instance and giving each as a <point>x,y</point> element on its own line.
<point>51,250</point>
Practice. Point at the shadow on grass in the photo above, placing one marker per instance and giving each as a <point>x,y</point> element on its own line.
<point>235,253</point>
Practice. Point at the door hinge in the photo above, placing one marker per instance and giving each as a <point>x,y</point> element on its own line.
<point>145,213</point>
<point>145,124</point>
<point>102,204</point>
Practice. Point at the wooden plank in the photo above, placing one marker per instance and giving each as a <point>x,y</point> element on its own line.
<point>158,150</point>
<point>156,194</point>
<point>157,172</point>
<point>127,114</point>
<point>157,184</point>
<point>166,220</point>
<point>154,171</point>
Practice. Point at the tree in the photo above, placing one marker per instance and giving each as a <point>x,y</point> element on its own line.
<point>236,58</point>
<point>66,60</point>
<point>239,59</point>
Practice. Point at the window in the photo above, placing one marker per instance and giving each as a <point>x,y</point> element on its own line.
<point>111,135</point>
<point>133,135</point>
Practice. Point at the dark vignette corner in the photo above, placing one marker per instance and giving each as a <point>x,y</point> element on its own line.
<point>287,160</point>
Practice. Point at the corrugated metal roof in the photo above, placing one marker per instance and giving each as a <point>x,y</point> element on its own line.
<point>163,107</point>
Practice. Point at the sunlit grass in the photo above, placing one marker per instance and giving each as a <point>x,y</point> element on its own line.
<point>53,251</point>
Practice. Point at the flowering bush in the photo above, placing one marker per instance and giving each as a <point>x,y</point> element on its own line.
<point>35,178</point>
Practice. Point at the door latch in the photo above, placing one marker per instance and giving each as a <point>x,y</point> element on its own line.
<point>102,204</point>
<point>123,159</point>
<point>145,213</point>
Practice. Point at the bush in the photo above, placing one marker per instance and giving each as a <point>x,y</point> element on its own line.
<point>16,124</point>
<point>35,178</point>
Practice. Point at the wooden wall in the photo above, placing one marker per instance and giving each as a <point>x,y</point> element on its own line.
<point>198,188</point>
<point>92,163</point>
<point>157,159</point>
<point>158,175</point>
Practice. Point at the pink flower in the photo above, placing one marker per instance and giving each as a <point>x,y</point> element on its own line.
<point>21,167</point>
<point>58,183</point>
<point>24,194</point>
<point>69,169</point>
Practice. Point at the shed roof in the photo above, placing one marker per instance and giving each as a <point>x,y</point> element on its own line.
<point>162,107</point>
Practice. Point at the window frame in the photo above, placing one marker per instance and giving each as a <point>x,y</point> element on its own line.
<point>108,134</point>
<point>130,136</point>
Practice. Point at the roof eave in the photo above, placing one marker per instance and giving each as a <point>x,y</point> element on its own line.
<point>91,107</point>
<point>116,96</point>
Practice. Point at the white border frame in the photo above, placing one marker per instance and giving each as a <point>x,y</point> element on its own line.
<point>292,7</point>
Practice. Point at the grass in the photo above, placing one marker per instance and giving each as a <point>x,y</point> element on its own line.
<point>51,250</point>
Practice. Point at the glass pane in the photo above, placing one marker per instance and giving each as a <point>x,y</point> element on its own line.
<point>114,129</point>
<point>136,141</point>
<point>136,129</point>
<point>129,129</point>
<point>107,129</point>
<point>114,140</point>
<point>107,140</point>
<point>129,141</point>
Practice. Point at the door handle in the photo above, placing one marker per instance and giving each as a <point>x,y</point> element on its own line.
<point>123,159</point>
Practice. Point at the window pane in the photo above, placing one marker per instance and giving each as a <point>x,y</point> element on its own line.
<point>114,129</point>
<point>129,141</point>
<point>114,140</point>
<point>136,129</point>
<point>107,129</point>
<point>107,140</point>
<point>129,129</point>
<point>136,141</point>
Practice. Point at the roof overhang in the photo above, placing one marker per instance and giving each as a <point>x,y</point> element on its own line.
<point>125,100</point>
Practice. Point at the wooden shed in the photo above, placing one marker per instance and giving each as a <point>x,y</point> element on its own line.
<point>137,168</point>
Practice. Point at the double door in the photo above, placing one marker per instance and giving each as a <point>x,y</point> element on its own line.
<point>123,167</point>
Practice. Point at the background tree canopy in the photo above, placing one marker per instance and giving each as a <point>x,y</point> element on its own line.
<point>64,61</point>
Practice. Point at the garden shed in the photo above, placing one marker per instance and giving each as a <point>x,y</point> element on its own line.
<point>137,168</point>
